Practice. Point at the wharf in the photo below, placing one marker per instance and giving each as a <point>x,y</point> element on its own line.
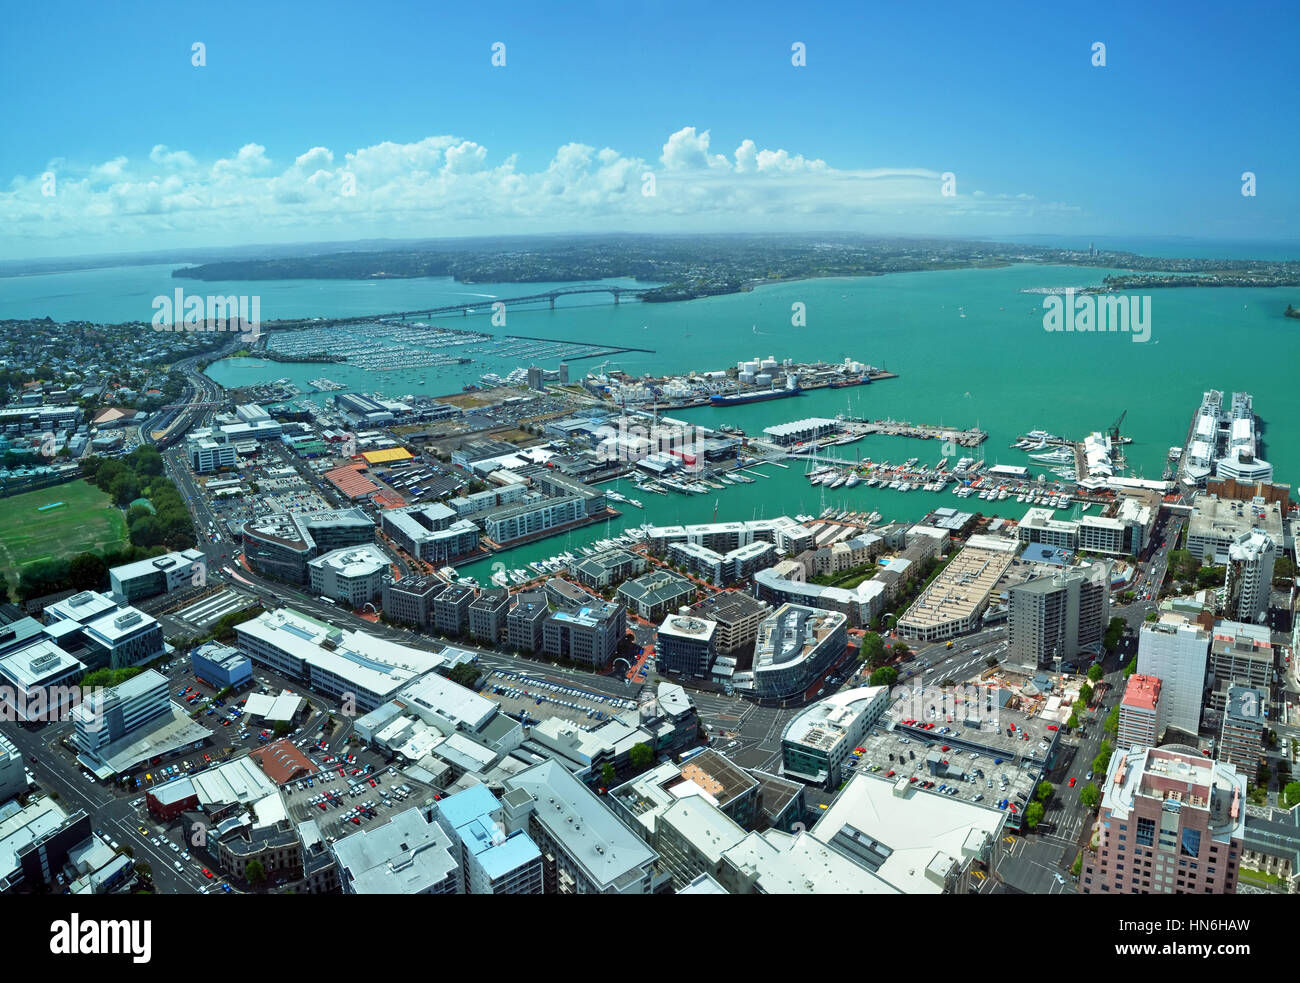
<point>970,437</point>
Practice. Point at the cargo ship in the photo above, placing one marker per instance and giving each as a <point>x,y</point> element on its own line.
<point>757,395</point>
<point>863,380</point>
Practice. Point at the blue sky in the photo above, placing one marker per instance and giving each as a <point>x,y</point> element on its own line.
<point>402,101</point>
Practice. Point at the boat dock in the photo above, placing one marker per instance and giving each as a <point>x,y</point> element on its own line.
<point>970,437</point>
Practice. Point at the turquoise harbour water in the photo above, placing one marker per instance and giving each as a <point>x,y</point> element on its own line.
<point>996,368</point>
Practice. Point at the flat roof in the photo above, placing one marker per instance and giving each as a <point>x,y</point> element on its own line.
<point>909,839</point>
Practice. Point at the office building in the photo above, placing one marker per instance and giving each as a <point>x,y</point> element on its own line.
<point>487,615</point>
<point>1139,713</point>
<point>736,617</point>
<point>1249,578</point>
<point>361,669</point>
<point>282,545</point>
<point>122,638</point>
<point>912,842</point>
<point>221,666</point>
<point>585,849</point>
<point>143,579</point>
<point>655,594</point>
<point>449,613</point>
<point>1242,737</point>
<point>13,774</point>
<point>409,601</point>
<point>723,569</point>
<point>431,532</point>
<point>1053,619</point>
<point>406,855</point>
<point>524,622</point>
<point>795,646</point>
<point>588,636</point>
<point>353,575</point>
<point>1176,650</point>
<point>1172,822</point>
<point>817,741</point>
<point>1240,655</point>
<point>492,861</point>
<point>684,645</point>
<point>535,518</point>
<point>210,450</point>
<point>1216,524</point>
<point>607,569</point>
<point>108,715</point>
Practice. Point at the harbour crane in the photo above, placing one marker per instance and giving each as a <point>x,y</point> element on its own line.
<point>1114,427</point>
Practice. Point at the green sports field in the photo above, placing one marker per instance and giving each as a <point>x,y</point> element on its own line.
<point>87,522</point>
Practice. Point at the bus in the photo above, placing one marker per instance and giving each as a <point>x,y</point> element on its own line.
<point>687,755</point>
<point>328,600</point>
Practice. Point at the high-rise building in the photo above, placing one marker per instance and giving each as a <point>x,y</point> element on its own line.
<point>589,635</point>
<point>1250,576</point>
<point>1240,655</point>
<point>1172,822</point>
<point>524,622</point>
<point>1139,713</point>
<point>492,861</point>
<point>1175,650</point>
<point>536,377</point>
<point>487,615</point>
<point>1241,739</point>
<point>1058,616</point>
<point>685,645</point>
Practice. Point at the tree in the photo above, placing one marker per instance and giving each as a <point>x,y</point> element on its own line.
<point>640,756</point>
<point>1090,795</point>
<point>1112,721</point>
<point>1131,668</point>
<point>991,661</point>
<point>1095,672</point>
<point>254,872</point>
<point>872,650</point>
<point>87,571</point>
<point>1085,694</point>
<point>466,674</point>
<point>1034,814</point>
<point>1073,722</point>
<point>607,773</point>
<point>1152,616</point>
<point>1102,761</point>
<point>884,676</point>
<point>144,870</point>
<point>1044,791</point>
<point>124,489</point>
<point>1291,795</point>
<point>900,650</point>
<point>1077,867</point>
<point>281,728</point>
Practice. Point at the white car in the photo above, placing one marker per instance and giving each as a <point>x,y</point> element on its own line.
<point>1060,879</point>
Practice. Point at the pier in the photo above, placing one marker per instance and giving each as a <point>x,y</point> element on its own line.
<point>970,437</point>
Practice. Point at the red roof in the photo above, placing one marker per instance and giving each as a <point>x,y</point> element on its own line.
<point>1142,693</point>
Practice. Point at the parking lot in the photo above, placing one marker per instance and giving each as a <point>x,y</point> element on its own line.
<point>351,792</point>
<point>518,694</point>
<point>938,767</point>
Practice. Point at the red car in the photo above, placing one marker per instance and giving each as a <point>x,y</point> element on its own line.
<point>912,779</point>
<point>944,748</point>
<point>1072,783</point>
<point>207,873</point>
<point>1051,727</point>
<point>890,773</point>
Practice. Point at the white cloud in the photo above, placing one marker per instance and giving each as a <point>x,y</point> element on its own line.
<point>449,185</point>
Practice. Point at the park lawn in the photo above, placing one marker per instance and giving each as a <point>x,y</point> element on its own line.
<point>1259,878</point>
<point>87,522</point>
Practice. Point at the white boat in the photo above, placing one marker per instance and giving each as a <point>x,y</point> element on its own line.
<point>853,479</point>
<point>839,480</point>
<point>634,503</point>
<point>1059,456</point>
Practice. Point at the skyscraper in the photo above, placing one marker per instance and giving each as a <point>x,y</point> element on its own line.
<point>1171,822</point>
<point>1175,650</point>
<point>1250,573</point>
<point>1058,616</point>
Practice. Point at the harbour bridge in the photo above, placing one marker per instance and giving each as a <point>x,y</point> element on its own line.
<point>487,304</point>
